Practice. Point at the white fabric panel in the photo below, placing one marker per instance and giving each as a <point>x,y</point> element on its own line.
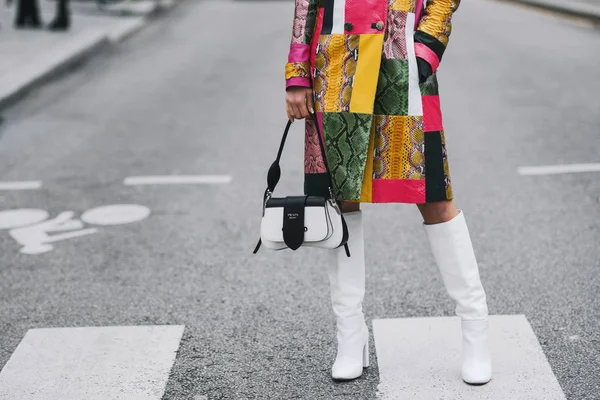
<point>339,16</point>
<point>415,102</point>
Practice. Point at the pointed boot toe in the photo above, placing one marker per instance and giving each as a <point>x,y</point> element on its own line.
<point>345,369</point>
<point>348,366</point>
<point>477,375</point>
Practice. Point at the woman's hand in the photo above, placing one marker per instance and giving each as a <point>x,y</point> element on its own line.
<point>299,102</point>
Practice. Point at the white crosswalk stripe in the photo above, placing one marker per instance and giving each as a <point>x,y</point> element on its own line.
<point>98,363</point>
<point>419,359</point>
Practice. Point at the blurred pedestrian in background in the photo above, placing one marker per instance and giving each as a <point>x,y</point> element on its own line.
<point>28,15</point>
<point>62,19</point>
<point>368,72</point>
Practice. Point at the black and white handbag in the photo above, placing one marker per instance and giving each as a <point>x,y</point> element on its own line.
<point>294,221</point>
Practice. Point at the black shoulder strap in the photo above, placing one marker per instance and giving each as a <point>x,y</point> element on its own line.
<point>274,175</point>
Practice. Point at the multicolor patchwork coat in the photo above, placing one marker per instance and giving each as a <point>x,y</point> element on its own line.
<point>381,125</point>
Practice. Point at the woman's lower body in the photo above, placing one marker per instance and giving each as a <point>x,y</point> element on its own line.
<point>405,163</point>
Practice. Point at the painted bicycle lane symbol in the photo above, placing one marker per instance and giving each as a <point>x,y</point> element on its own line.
<point>31,228</point>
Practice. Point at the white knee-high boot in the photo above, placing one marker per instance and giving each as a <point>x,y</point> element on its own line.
<point>453,252</point>
<point>347,283</point>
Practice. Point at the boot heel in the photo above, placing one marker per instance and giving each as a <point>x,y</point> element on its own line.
<point>366,355</point>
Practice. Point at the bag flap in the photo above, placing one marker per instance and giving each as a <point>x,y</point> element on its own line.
<point>293,221</point>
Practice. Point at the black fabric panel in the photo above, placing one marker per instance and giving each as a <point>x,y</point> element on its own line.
<point>316,185</point>
<point>431,42</point>
<point>435,183</point>
<point>327,16</point>
<point>424,69</point>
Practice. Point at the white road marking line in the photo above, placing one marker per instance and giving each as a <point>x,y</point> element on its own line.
<point>419,359</point>
<point>21,185</point>
<point>558,169</point>
<point>177,180</point>
<point>10,219</point>
<point>31,228</point>
<point>116,214</point>
<point>96,363</point>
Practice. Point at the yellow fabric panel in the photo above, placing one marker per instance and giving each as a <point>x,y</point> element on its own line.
<point>449,194</point>
<point>367,73</point>
<point>436,19</point>
<point>335,66</point>
<point>402,5</point>
<point>399,147</point>
<point>318,81</point>
<point>331,63</point>
<point>297,70</point>
<point>366,194</point>
<point>321,64</point>
<point>349,71</point>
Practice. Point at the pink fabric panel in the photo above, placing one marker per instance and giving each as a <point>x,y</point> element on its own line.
<point>299,53</point>
<point>398,191</point>
<point>298,81</point>
<point>319,116</point>
<point>418,11</point>
<point>363,13</point>
<point>428,55</point>
<point>300,21</point>
<point>432,114</point>
<point>313,159</point>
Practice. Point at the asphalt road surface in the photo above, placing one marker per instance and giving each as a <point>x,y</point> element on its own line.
<point>201,92</point>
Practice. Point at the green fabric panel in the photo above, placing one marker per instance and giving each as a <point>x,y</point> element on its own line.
<point>430,86</point>
<point>391,97</point>
<point>347,142</point>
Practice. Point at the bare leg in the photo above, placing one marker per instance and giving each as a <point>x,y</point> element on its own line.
<point>438,212</point>
<point>349,206</point>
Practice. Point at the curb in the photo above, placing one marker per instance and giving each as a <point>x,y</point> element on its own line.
<point>127,31</point>
<point>160,7</point>
<point>586,11</point>
<point>17,84</point>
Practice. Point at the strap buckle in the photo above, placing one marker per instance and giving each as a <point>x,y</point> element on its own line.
<point>268,195</point>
